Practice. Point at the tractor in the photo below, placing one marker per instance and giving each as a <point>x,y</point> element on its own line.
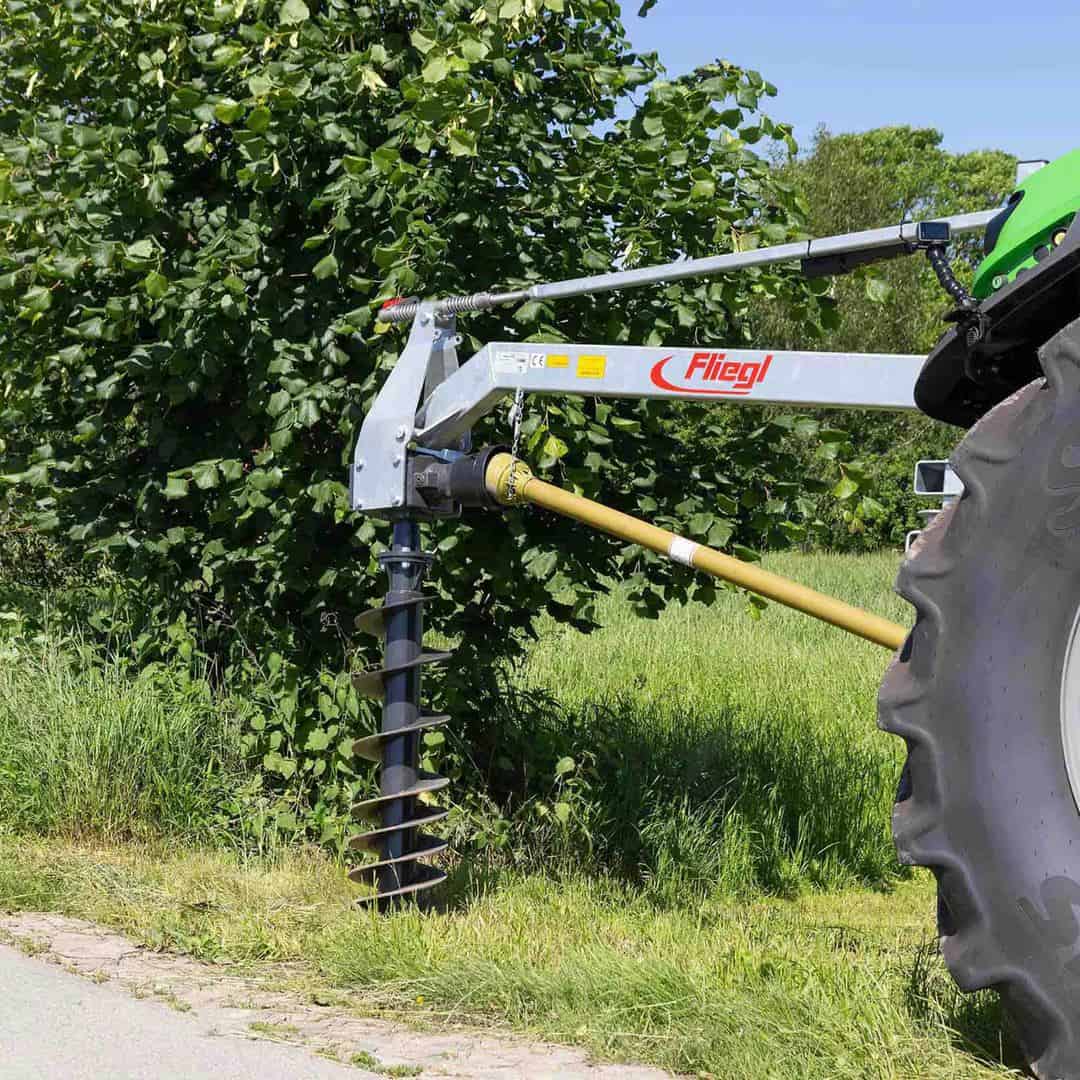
<point>984,688</point>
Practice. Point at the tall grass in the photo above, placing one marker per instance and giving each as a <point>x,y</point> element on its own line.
<point>727,750</point>
<point>88,749</point>
<point>687,799</point>
<point>714,753</point>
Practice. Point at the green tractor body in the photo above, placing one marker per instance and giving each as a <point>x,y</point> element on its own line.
<point>1034,222</point>
<point>1026,290</point>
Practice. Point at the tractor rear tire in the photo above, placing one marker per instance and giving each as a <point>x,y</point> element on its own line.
<point>976,692</point>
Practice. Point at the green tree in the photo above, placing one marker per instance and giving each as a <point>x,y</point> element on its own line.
<point>202,205</point>
<point>886,175</point>
<point>868,180</point>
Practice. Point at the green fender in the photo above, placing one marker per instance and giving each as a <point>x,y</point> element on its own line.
<point>1032,223</point>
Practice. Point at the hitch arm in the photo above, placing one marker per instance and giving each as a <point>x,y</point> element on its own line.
<point>526,488</point>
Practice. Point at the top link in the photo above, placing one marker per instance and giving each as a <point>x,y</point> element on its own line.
<point>858,247</point>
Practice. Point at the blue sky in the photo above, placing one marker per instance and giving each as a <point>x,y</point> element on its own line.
<point>997,74</point>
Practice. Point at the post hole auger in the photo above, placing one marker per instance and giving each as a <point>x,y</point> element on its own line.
<point>984,690</point>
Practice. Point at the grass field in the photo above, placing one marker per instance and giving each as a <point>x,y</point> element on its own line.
<point>746,748</point>
<point>743,916</point>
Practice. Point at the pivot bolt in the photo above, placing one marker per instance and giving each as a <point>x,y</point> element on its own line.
<point>401,433</point>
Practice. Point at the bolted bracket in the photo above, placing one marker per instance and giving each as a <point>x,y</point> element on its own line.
<point>442,483</point>
<point>379,479</point>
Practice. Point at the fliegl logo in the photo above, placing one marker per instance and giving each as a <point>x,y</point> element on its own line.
<point>710,373</point>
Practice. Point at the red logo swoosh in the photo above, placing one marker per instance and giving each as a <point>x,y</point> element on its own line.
<point>658,379</point>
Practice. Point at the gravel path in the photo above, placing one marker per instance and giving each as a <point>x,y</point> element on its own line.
<point>83,1002</point>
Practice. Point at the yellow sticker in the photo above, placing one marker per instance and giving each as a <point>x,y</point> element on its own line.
<point>591,367</point>
<point>558,361</point>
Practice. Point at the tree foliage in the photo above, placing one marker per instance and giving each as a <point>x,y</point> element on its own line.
<point>866,180</point>
<point>202,205</point>
<point>870,179</point>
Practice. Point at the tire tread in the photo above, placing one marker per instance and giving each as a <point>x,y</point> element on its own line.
<point>969,943</point>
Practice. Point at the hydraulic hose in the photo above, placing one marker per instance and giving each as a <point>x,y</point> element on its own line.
<point>510,481</point>
<point>939,260</point>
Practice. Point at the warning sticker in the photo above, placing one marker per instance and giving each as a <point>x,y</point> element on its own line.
<point>591,367</point>
<point>558,361</point>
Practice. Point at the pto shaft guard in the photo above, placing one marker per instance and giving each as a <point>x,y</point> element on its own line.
<point>510,481</point>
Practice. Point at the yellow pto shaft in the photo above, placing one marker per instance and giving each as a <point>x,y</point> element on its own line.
<point>509,481</point>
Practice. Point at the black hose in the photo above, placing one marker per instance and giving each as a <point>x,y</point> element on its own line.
<point>939,260</point>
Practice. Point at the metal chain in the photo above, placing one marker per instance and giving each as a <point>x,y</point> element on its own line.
<point>517,413</point>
